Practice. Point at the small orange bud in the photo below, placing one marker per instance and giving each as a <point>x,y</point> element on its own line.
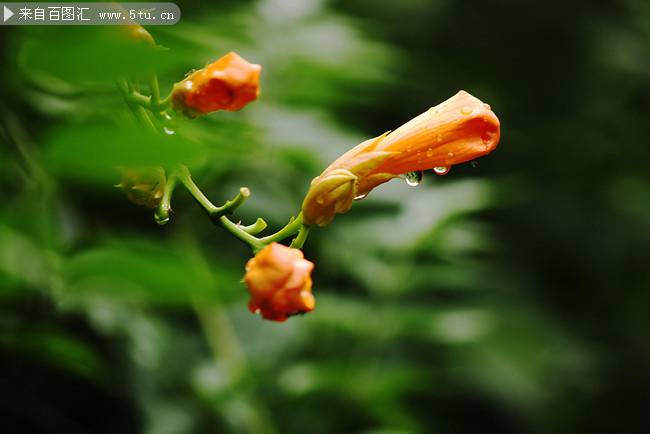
<point>279,282</point>
<point>227,84</point>
<point>143,186</point>
<point>458,130</point>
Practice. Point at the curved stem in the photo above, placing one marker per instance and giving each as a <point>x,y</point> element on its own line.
<point>256,227</point>
<point>300,239</point>
<point>162,212</point>
<point>218,214</point>
<point>291,228</point>
<point>166,101</point>
<point>255,244</point>
<point>230,206</point>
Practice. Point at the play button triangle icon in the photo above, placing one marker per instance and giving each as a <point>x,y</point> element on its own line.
<point>7,13</point>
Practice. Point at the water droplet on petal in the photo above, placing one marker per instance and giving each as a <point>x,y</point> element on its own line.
<point>438,138</point>
<point>429,153</point>
<point>169,131</point>
<point>450,154</point>
<point>320,199</point>
<point>466,110</point>
<point>487,137</point>
<point>413,178</point>
<point>441,170</point>
<point>487,106</point>
<point>360,196</point>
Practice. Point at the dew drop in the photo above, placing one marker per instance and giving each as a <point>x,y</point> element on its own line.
<point>450,154</point>
<point>320,199</point>
<point>169,131</point>
<point>360,196</point>
<point>487,137</point>
<point>466,110</point>
<point>413,178</point>
<point>429,153</point>
<point>161,219</point>
<point>487,106</point>
<point>441,170</point>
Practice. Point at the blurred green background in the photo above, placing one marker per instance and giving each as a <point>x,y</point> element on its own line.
<point>512,296</point>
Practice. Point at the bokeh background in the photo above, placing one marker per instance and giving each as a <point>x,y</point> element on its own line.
<point>512,296</point>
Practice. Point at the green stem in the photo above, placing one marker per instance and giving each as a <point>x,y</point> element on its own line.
<point>256,227</point>
<point>300,239</point>
<point>134,102</point>
<point>166,101</point>
<point>186,179</point>
<point>231,205</point>
<point>255,244</point>
<point>155,91</point>
<point>291,228</point>
<point>137,98</point>
<point>158,106</point>
<point>218,214</point>
<point>162,212</point>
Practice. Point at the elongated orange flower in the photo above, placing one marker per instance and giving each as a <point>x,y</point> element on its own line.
<point>279,282</point>
<point>458,130</point>
<point>227,84</point>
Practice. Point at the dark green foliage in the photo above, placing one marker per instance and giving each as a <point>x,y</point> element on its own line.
<point>511,297</point>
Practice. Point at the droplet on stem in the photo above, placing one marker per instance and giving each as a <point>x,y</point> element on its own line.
<point>161,219</point>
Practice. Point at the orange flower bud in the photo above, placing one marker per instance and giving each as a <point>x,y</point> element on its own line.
<point>332,193</point>
<point>143,186</point>
<point>279,282</point>
<point>227,84</point>
<point>458,130</point>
